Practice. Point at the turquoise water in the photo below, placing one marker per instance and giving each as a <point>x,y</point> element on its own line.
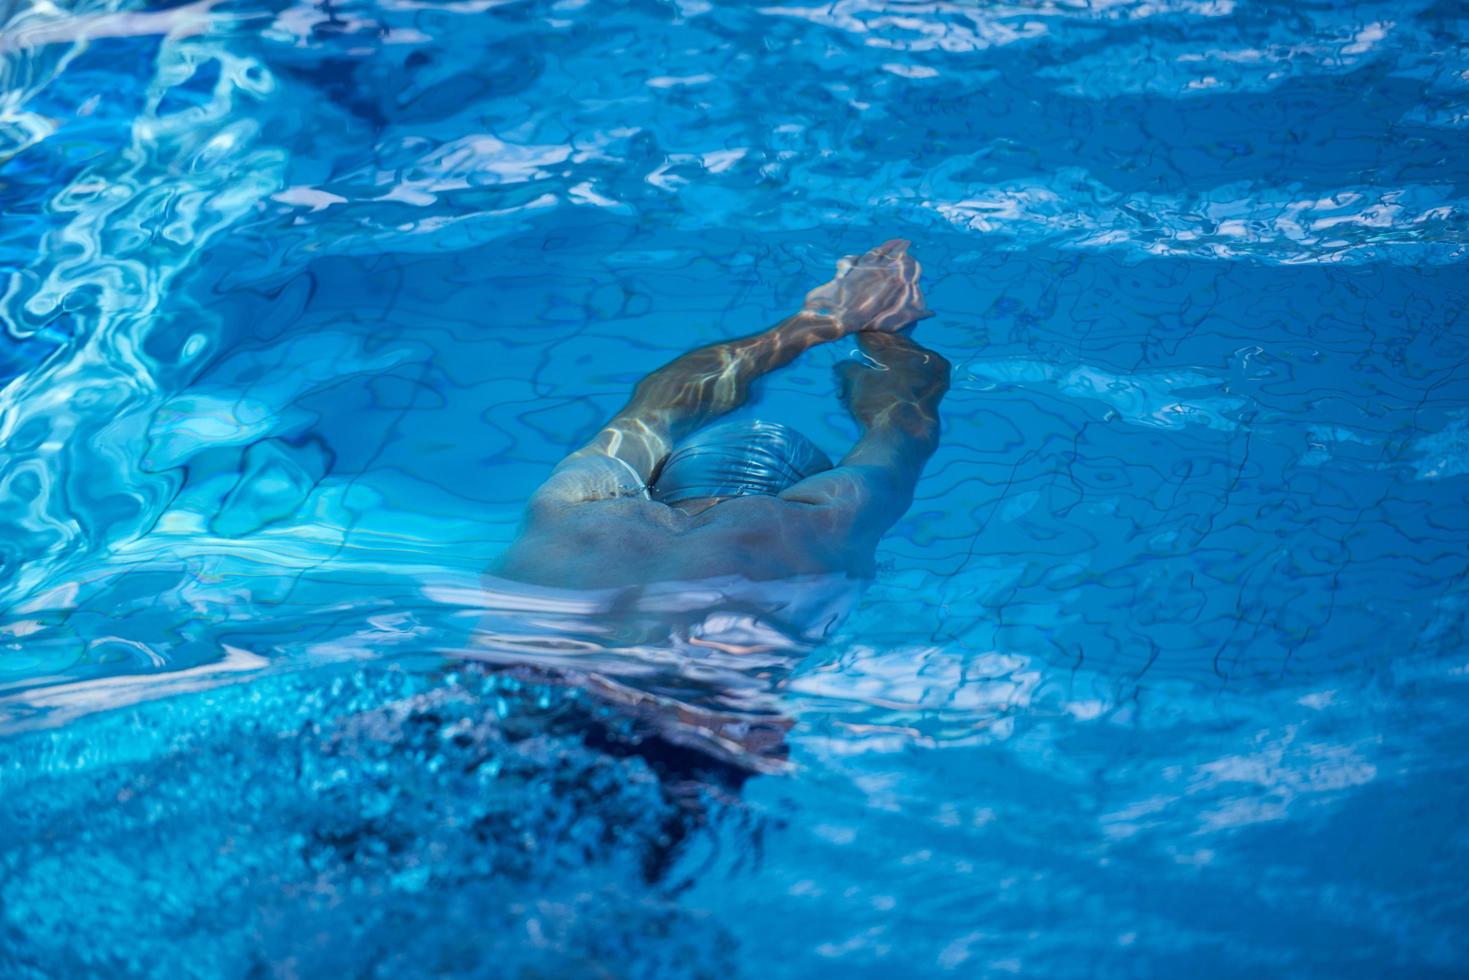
<point>1164,673</point>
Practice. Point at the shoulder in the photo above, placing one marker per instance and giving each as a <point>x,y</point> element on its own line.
<point>593,478</point>
<point>851,496</point>
<point>777,538</point>
<point>562,541</point>
<point>597,515</point>
<point>774,517</point>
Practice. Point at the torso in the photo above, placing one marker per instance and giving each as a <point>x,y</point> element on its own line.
<point>634,541</point>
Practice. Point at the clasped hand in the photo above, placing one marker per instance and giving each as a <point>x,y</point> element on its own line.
<point>874,291</point>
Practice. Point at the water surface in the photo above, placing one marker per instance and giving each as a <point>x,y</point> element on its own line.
<point>1164,672</point>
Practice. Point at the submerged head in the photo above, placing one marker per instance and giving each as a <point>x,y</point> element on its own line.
<point>734,459</point>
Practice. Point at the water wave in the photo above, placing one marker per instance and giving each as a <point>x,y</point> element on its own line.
<point>125,230</point>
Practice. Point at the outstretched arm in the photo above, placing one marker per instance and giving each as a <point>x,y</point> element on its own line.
<point>698,387</point>
<point>874,289</point>
<point>895,398</point>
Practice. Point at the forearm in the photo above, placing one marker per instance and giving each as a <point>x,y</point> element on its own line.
<point>701,385</point>
<point>895,400</point>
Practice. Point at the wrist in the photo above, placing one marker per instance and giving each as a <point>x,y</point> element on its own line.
<point>816,325</point>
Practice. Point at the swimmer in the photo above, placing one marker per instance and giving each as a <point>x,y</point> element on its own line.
<point>675,541</point>
<point>663,494</point>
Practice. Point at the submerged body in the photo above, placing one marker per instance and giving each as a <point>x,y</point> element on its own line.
<point>647,501</point>
<point>632,540</point>
<point>678,569</point>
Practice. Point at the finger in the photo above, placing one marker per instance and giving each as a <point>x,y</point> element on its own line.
<point>894,247</point>
<point>886,252</point>
<point>918,306</point>
<point>908,268</point>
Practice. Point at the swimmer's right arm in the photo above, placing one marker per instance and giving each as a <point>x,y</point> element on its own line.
<point>874,291</point>
<point>894,398</point>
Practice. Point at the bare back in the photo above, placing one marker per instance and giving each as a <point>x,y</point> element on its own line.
<point>634,541</point>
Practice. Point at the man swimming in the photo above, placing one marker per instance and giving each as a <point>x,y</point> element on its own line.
<point>661,496</point>
<point>676,570</point>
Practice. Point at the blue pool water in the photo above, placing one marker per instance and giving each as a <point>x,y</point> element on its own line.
<point>1165,672</point>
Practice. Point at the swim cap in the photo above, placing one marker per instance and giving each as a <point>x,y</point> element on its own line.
<point>737,458</point>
